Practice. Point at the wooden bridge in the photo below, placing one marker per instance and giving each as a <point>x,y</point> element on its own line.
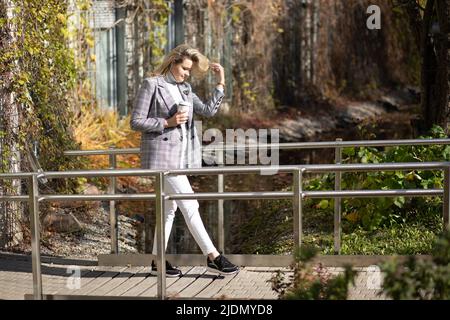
<point>100,279</point>
<point>59,281</point>
<point>96,281</point>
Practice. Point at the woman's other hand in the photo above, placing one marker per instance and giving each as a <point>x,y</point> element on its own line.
<point>178,118</point>
<point>219,71</point>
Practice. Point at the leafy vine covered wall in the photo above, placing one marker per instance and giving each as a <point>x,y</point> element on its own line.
<point>37,76</point>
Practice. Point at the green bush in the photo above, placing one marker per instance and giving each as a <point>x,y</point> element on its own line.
<point>369,225</point>
<point>372,213</point>
<point>420,279</point>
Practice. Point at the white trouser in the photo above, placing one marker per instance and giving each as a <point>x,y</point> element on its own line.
<point>189,208</point>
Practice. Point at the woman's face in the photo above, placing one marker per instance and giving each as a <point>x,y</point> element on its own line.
<point>181,71</point>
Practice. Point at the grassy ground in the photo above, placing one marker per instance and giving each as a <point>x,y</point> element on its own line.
<point>273,233</point>
<point>407,239</point>
<point>404,240</point>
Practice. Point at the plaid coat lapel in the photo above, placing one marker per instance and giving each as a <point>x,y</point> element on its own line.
<point>166,96</point>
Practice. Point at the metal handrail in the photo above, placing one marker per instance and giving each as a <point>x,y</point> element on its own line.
<point>221,148</point>
<point>297,195</point>
<point>32,199</point>
<point>283,146</point>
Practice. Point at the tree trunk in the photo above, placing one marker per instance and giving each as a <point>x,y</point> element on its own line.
<point>439,81</point>
<point>428,70</point>
<point>443,61</point>
<point>448,61</point>
<point>415,22</point>
<point>10,212</point>
<point>433,45</point>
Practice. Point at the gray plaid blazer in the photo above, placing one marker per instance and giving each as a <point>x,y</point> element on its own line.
<point>161,147</point>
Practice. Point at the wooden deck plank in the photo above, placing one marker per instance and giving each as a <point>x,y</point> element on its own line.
<point>86,281</point>
<point>86,278</point>
<point>131,282</point>
<point>153,291</point>
<point>55,284</point>
<point>198,285</point>
<point>235,287</point>
<point>215,286</point>
<point>185,280</point>
<point>257,282</point>
<point>149,281</point>
<point>115,282</point>
<point>99,282</point>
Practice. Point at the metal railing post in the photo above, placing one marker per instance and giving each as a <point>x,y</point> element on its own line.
<point>220,206</point>
<point>35,238</point>
<point>160,236</point>
<point>446,200</point>
<point>112,207</point>
<point>337,201</point>
<point>298,207</point>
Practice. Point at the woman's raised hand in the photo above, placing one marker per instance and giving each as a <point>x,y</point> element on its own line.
<point>219,71</point>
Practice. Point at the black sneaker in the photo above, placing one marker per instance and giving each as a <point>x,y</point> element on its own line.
<point>221,265</point>
<point>171,272</point>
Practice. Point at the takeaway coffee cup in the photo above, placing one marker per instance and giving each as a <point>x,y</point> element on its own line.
<point>183,106</point>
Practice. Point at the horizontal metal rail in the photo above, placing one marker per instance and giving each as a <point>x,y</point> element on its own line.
<point>230,195</point>
<point>14,198</point>
<point>17,175</point>
<point>254,169</point>
<point>374,167</point>
<point>304,194</point>
<point>312,168</point>
<point>372,193</point>
<point>100,173</point>
<point>99,197</point>
<point>234,195</point>
<point>102,152</point>
<point>282,146</point>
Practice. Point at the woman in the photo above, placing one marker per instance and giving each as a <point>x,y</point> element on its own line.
<point>169,140</point>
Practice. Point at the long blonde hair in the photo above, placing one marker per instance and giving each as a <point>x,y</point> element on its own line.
<point>199,66</point>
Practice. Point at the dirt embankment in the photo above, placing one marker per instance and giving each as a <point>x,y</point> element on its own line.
<point>388,115</point>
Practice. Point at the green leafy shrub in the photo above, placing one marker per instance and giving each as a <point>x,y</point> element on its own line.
<point>370,225</point>
<point>312,283</point>
<point>420,279</point>
<point>372,213</point>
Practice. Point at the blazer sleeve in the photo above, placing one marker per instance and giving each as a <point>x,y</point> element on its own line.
<point>140,120</point>
<point>209,108</point>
